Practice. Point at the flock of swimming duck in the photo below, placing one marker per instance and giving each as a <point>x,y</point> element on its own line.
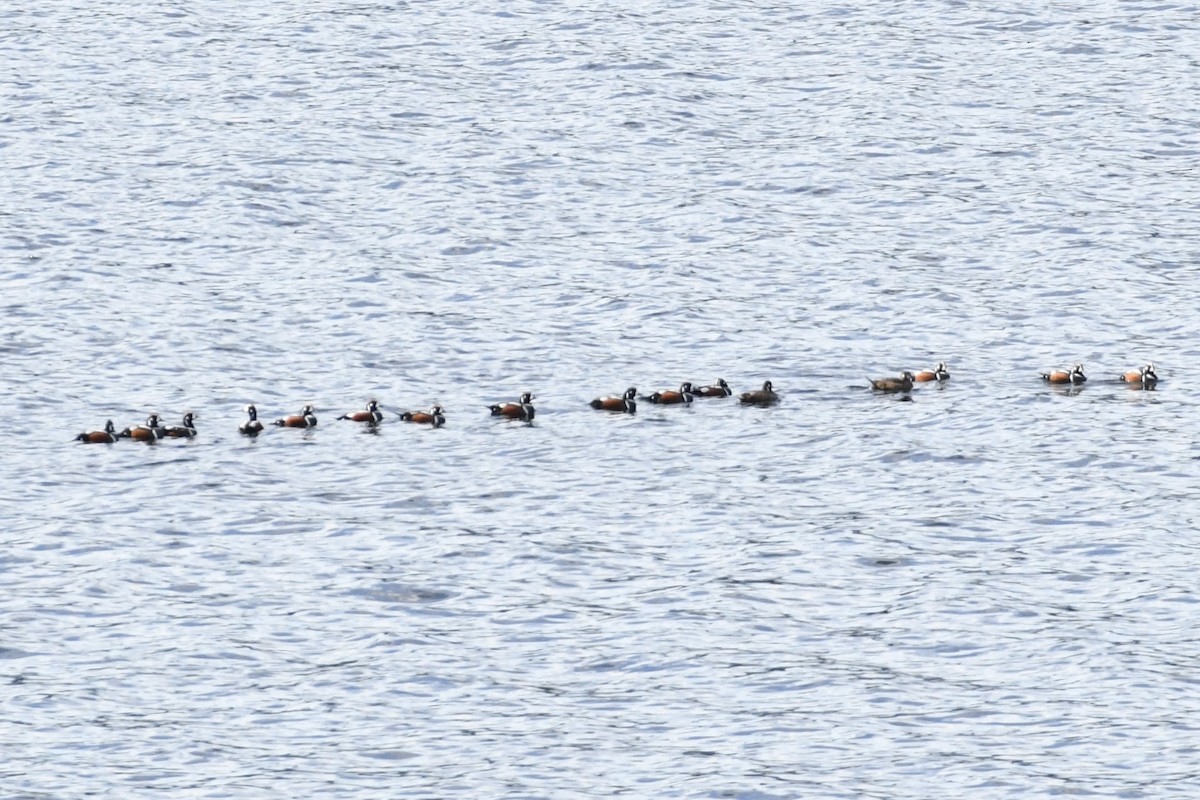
<point>523,410</point>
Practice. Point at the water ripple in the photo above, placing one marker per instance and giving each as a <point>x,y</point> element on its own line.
<point>986,589</point>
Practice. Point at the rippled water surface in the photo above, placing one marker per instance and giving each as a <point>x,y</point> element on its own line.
<point>986,592</point>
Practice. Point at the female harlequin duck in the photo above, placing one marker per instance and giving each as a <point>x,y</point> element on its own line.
<point>522,410</point>
<point>185,431</point>
<point>305,419</point>
<point>436,416</point>
<point>372,416</point>
<point>151,432</point>
<point>762,397</point>
<point>902,384</point>
<point>625,403</point>
<point>669,398</point>
<point>938,373</point>
<point>1073,376</point>
<point>1144,378</point>
<point>718,389</point>
<point>252,426</point>
<point>106,436</point>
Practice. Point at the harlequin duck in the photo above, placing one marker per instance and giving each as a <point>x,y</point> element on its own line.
<point>372,416</point>
<point>718,389</point>
<point>522,410</point>
<point>902,384</point>
<point>185,431</point>
<point>151,432</point>
<point>252,426</point>
<point>1073,376</point>
<point>625,403</point>
<point>670,398</point>
<point>106,436</point>
<point>1144,377</point>
<point>435,416</point>
<point>938,373</point>
<point>305,419</point>
<point>760,397</point>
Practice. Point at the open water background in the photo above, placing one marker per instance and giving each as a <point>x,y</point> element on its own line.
<point>989,591</point>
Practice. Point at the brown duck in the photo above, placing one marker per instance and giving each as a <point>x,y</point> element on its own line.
<point>760,397</point>
<point>902,384</point>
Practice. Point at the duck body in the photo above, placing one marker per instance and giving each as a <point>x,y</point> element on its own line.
<point>305,419</point>
<point>765,396</point>
<point>106,436</point>
<point>626,403</point>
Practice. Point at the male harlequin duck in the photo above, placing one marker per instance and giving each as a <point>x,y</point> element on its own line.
<point>252,426</point>
<point>718,389</point>
<point>106,436</point>
<point>372,416</point>
<point>938,373</point>
<point>902,384</point>
<point>435,416</point>
<point>151,432</point>
<point>522,410</point>
<point>1143,378</point>
<point>625,403</point>
<point>1073,376</point>
<point>761,397</point>
<point>185,431</point>
<point>670,398</point>
<point>305,419</point>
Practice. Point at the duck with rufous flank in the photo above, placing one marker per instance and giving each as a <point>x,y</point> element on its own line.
<point>185,431</point>
<point>671,398</point>
<point>718,389</point>
<point>765,396</point>
<point>372,415</point>
<point>938,373</point>
<point>106,436</point>
<point>522,410</point>
<point>902,384</point>
<point>307,418</point>
<point>252,426</point>
<point>150,432</point>
<point>435,416</point>
<point>1144,378</point>
<point>625,403</point>
<point>1073,376</point>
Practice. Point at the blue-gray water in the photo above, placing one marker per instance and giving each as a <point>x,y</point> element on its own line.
<point>989,592</point>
